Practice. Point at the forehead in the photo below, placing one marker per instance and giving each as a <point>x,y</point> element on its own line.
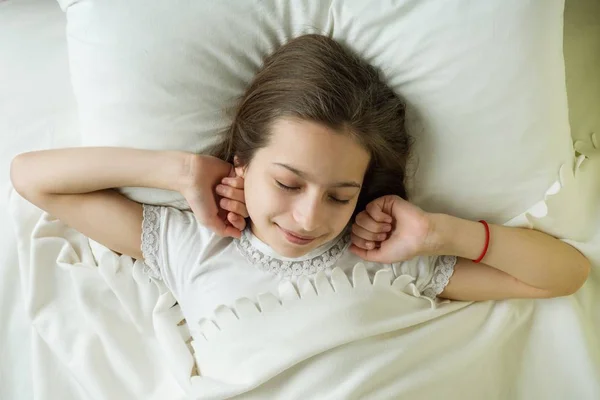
<point>315,149</point>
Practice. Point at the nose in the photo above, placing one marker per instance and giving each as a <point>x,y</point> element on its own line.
<point>307,213</point>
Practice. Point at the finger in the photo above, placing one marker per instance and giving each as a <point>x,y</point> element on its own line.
<point>234,206</point>
<point>230,192</point>
<point>233,232</point>
<point>216,225</point>
<point>368,235</point>
<point>365,221</point>
<point>232,173</point>
<point>358,251</point>
<point>237,221</point>
<point>362,243</point>
<point>367,255</point>
<point>237,182</point>
<point>374,210</point>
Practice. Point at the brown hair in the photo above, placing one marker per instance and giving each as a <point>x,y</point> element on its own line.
<point>314,78</point>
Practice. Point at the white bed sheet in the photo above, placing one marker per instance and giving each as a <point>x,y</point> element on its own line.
<point>37,110</point>
<point>102,331</point>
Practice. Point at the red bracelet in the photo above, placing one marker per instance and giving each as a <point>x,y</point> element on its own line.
<point>487,242</point>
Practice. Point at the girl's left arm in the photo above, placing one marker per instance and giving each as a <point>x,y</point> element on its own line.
<point>520,263</point>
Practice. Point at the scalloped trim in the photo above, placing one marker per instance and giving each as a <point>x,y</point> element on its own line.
<point>570,205</point>
<point>540,209</point>
<point>569,208</point>
<point>306,288</point>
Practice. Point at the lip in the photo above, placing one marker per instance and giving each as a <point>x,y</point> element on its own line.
<point>294,238</point>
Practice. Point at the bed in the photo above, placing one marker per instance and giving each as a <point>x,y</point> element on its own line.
<point>37,111</point>
<point>505,350</point>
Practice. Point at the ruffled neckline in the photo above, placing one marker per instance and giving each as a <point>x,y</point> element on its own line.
<point>265,258</point>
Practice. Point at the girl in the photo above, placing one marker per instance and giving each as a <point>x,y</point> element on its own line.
<point>309,176</point>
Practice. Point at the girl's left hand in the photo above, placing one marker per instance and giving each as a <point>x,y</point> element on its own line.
<point>391,229</point>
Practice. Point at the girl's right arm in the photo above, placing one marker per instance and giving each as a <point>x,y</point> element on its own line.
<point>76,185</point>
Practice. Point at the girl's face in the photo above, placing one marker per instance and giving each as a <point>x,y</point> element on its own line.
<point>301,189</point>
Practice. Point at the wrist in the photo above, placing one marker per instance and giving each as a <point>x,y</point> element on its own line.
<point>185,171</point>
<point>158,169</point>
<point>457,237</point>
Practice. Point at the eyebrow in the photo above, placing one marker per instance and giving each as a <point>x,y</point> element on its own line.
<point>305,176</point>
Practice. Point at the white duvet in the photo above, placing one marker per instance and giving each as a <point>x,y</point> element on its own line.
<point>103,330</point>
<point>79,322</point>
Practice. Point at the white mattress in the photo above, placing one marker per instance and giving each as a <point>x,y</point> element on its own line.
<point>37,110</point>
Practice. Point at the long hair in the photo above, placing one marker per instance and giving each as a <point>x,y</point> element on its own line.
<point>315,78</point>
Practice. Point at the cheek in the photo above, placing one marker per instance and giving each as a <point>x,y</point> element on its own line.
<point>344,218</point>
<point>263,200</point>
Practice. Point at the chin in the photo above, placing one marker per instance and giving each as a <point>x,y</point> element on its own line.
<point>287,250</point>
<point>290,250</point>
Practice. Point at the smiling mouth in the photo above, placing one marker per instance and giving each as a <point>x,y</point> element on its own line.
<point>295,238</point>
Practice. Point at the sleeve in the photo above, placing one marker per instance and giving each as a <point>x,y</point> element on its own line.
<point>173,244</point>
<point>432,273</point>
<point>442,271</point>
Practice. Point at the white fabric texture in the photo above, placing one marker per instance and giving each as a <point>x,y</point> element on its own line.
<point>205,271</point>
<point>102,330</point>
<point>64,334</point>
<point>484,83</point>
<point>37,111</point>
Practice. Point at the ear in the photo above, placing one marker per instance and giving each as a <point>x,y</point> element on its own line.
<point>239,170</point>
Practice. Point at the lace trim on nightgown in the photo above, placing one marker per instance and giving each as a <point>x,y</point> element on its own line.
<point>150,235</point>
<point>443,270</point>
<point>293,268</point>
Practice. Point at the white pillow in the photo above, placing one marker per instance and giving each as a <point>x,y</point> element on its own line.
<point>484,82</point>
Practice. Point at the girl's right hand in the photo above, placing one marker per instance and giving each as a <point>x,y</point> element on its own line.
<point>222,213</point>
<point>232,202</point>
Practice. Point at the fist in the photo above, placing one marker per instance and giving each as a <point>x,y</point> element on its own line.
<point>391,229</point>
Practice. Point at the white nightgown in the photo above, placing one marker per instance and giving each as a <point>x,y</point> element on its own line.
<point>204,270</point>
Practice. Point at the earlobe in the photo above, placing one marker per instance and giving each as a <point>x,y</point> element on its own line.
<point>240,171</point>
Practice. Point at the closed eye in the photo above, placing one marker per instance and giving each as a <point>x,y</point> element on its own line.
<point>295,188</point>
<point>336,200</point>
<point>285,187</point>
